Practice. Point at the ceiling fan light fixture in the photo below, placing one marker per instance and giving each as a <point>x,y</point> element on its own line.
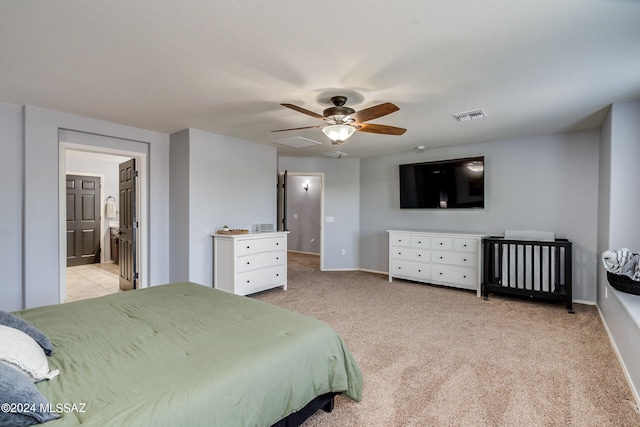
<point>338,133</point>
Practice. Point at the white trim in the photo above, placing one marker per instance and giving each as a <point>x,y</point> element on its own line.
<point>303,252</point>
<point>366,270</point>
<point>634,391</point>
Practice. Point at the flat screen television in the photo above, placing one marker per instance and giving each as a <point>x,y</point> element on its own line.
<point>447,184</point>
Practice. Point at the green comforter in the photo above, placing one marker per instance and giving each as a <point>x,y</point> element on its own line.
<point>187,355</point>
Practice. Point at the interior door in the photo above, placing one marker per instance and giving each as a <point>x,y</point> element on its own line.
<point>282,202</point>
<point>128,226</point>
<point>83,219</point>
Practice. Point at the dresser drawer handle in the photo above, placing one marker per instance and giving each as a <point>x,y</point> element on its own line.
<point>465,260</point>
<point>277,243</point>
<point>248,281</point>
<point>277,274</point>
<point>248,247</point>
<point>441,243</point>
<point>419,255</point>
<point>419,271</point>
<point>464,276</point>
<point>440,257</point>
<point>248,263</point>
<point>399,253</point>
<point>441,274</point>
<point>277,258</point>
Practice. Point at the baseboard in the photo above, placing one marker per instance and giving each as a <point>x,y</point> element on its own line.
<point>366,270</point>
<point>302,252</point>
<point>341,269</point>
<point>634,391</point>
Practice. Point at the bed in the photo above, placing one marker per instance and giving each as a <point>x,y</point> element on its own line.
<point>187,355</point>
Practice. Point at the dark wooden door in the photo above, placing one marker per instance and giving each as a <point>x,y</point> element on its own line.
<point>83,220</point>
<point>282,201</point>
<point>128,226</point>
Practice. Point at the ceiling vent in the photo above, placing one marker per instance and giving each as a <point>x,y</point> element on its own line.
<point>297,142</point>
<point>469,115</point>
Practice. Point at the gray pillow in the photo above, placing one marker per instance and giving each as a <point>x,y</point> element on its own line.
<point>20,394</point>
<point>13,321</point>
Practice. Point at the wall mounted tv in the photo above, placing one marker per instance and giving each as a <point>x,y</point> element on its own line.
<point>447,184</point>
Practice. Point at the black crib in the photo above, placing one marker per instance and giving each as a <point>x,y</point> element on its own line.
<point>534,269</point>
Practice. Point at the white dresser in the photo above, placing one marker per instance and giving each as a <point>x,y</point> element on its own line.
<point>248,263</point>
<point>450,259</point>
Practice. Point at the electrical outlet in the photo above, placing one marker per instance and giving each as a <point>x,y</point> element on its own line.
<point>344,252</point>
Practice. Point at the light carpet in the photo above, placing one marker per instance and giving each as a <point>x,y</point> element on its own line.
<point>436,356</point>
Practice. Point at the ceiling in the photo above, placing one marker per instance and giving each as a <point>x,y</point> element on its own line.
<point>534,67</point>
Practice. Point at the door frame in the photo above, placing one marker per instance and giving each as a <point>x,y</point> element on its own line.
<point>322,185</point>
<point>142,205</point>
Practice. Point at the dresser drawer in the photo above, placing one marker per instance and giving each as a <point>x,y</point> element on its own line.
<point>421,242</point>
<point>251,281</point>
<point>465,245</point>
<point>467,259</point>
<point>261,260</point>
<point>251,246</point>
<point>412,254</point>
<point>399,240</point>
<point>410,270</point>
<point>464,277</point>
<point>445,243</point>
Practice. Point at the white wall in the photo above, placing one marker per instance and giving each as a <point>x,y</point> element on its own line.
<point>230,181</point>
<point>40,242</point>
<point>11,132</point>
<point>618,227</point>
<point>541,183</point>
<point>342,202</point>
<point>179,206</point>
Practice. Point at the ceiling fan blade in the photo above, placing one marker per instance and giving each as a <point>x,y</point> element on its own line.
<point>382,129</point>
<point>303,111</point>
<point>305,127</point>
<point>374,112</point>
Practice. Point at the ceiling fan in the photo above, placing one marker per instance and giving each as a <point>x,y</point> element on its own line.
<point>342,121</point>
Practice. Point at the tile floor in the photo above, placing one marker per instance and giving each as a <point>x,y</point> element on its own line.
<point>92,280</point>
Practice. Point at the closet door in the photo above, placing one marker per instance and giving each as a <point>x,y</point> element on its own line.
<point>83,220</point>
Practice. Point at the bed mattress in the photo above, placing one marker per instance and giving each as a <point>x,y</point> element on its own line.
<point>185,354</point>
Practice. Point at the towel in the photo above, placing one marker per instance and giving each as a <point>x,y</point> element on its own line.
<point>613,261</point>
<point>622,262</point>
<point>111,208</point>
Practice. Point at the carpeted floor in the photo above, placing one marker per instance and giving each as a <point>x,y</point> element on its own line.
<point>435,356</point>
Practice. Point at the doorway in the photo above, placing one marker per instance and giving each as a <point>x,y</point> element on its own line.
<point>103,277</point>
<point>301,209</point>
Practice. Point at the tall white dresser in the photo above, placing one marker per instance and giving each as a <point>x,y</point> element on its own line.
<point>450,259</point>
<point>244,264</point>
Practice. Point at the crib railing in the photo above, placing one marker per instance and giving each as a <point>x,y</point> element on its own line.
<point>534,269</point>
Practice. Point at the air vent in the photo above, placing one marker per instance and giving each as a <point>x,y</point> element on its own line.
<point>469,115</point>
<point>262,228</point>
<point>297,142</point>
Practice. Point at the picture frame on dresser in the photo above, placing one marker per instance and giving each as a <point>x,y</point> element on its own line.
<point>441,258</point>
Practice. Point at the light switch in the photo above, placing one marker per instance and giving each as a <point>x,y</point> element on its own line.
<point>329,219</point>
